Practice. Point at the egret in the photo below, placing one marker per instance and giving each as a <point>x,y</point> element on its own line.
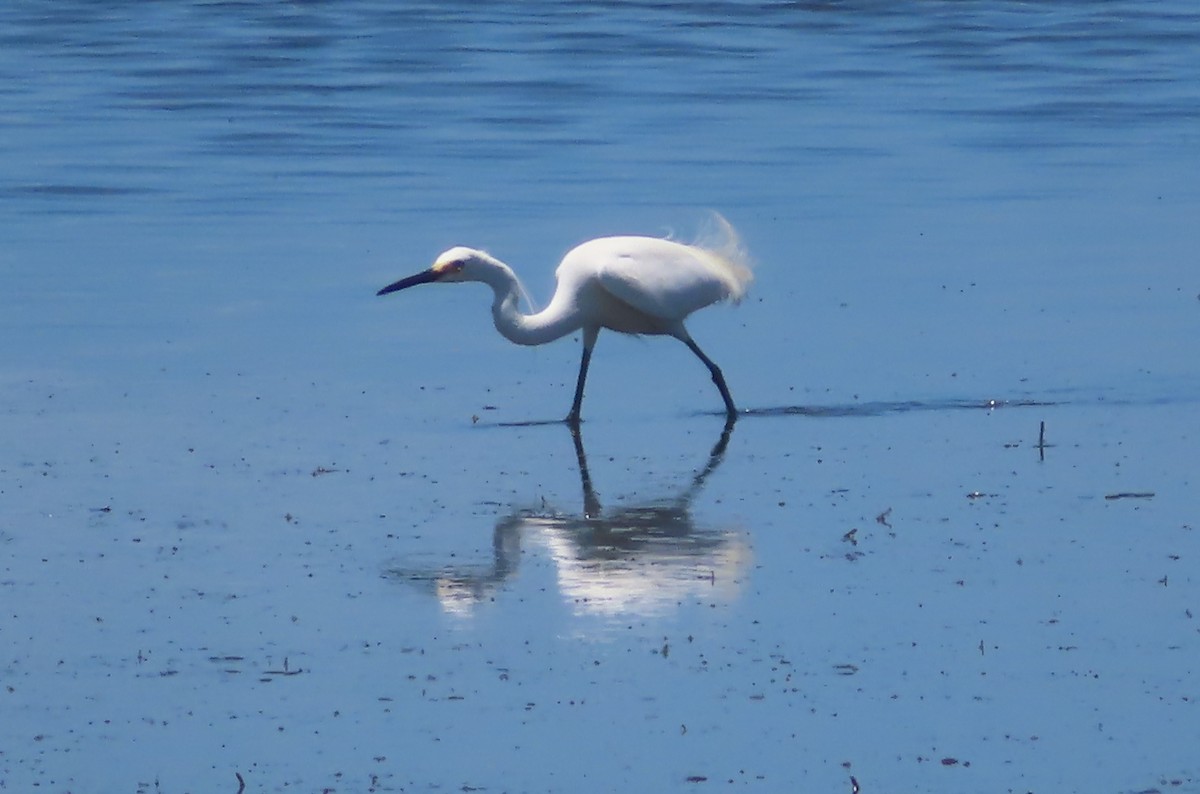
<point>633,285</point>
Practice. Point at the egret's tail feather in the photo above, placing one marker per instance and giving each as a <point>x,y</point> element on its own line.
<point>720,241</point>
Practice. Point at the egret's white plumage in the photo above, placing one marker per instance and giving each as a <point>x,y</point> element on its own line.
<point>634,285</point>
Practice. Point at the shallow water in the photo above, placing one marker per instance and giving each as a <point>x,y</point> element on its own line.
<point>256,522</point>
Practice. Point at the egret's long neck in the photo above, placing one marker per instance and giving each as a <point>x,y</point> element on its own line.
<point>555,321</point>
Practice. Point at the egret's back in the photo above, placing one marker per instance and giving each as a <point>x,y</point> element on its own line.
<point>664,279</point>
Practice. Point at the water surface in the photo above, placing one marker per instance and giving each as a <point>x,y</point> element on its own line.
<point>256,522</point>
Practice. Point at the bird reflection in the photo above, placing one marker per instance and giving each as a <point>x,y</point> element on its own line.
<point>641,559</point>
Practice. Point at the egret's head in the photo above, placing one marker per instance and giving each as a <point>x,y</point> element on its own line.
<point>457,264</point>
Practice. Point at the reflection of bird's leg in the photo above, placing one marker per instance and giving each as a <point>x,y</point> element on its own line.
<point>718,450</point>
<point>589,341</point>
<point>718,378</point>
<point>591,502</point>
<point>714,460</point>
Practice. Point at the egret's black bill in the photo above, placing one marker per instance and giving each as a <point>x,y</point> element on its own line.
<point>421,278</point>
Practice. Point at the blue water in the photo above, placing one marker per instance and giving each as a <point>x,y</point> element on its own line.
<point>917,182</point>
<point>223,452</point>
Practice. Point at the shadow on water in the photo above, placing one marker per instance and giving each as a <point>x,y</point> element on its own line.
<point>885,408</point>
<point>863,409</point>
<point>891,407</point>
<point>876,408</point>
<point>897,407</point>
<point>642,559</point>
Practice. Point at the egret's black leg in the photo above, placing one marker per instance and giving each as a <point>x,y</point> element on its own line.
<point>589,341</point>
<point>718,378</point>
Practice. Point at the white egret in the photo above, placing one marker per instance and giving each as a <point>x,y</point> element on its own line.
<point>634,285</point>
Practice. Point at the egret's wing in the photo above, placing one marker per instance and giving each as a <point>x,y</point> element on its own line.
<point>661,278</point>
